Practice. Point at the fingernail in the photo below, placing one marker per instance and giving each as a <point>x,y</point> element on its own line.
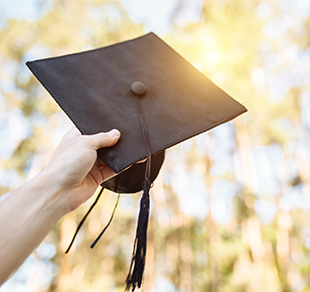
<point>115,132</point>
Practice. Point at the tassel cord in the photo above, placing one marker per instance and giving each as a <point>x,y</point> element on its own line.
<point>105,228</point>
<point>82,221</point>
<point>146,141</point>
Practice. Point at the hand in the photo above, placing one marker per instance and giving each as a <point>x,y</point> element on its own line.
<point>77,169</point>
<point>70,178</point>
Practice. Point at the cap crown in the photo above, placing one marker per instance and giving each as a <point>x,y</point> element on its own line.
<point>94,89</point>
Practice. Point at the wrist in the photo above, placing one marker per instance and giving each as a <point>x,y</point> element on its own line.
<point>50,194</point>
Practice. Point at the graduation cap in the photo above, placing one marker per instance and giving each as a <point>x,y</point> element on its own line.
<point>152,95</point>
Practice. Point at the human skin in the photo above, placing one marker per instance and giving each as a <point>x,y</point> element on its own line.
<point>68,180</point>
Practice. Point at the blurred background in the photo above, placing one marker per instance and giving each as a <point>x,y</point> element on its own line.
<point>230,208</point>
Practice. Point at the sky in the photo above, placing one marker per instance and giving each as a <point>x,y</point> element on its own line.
<point>155,14</point>
<point>26,9</point>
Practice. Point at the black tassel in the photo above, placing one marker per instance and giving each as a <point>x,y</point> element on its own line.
<point>134,278</point>
<point>135,274</point>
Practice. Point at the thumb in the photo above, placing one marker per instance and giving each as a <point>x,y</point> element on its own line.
<point>107,139</point>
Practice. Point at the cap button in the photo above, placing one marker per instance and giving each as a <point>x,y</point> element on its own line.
<point>138,88</point>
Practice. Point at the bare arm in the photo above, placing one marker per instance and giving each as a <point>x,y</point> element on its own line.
<point>70,178</point>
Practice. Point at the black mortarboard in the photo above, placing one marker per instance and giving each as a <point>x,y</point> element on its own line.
<point>156,99</point>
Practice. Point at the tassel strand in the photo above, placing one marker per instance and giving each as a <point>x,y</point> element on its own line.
<point>135,275</point>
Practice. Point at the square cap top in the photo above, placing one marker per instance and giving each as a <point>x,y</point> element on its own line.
<point>98,90</point>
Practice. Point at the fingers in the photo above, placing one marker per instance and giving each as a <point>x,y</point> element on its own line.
<point>95,141</point>
<point>101,140</point>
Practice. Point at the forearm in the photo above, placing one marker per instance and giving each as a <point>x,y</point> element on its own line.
<point>26,217</point>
